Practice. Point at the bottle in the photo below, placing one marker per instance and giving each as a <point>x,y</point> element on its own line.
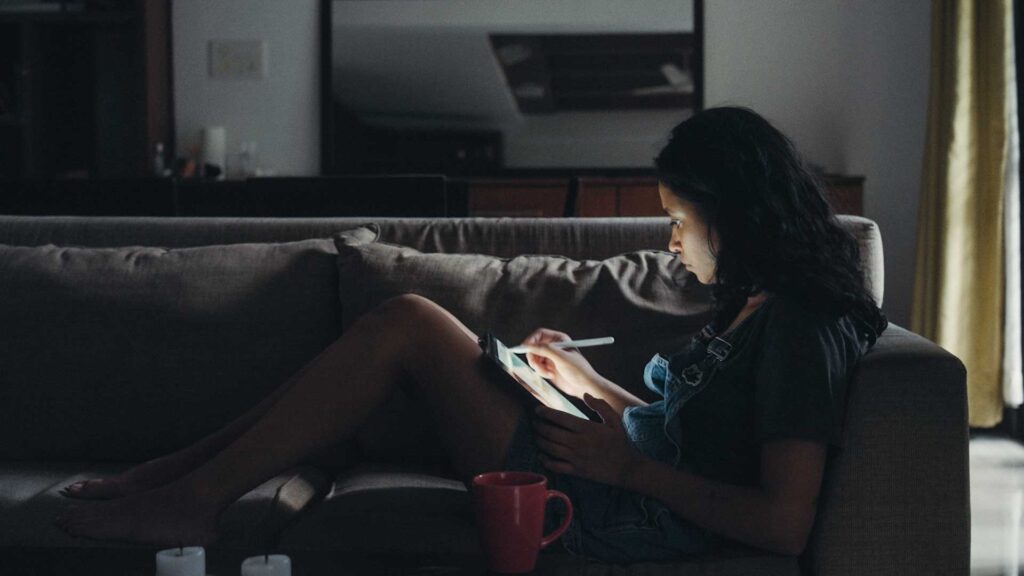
<point>159,167</point>
<point>247,159</point>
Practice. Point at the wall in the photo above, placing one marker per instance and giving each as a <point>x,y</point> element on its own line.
<point>281,112</point>
<point>387,49</point>
<point>847,80</point>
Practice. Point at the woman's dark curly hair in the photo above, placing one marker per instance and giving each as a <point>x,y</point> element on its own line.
<point>775,229</point>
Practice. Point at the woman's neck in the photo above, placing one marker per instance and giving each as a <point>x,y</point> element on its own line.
<point>753,303</point>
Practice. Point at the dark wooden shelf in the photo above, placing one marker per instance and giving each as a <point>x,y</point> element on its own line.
<point>89,90</point>
<point>11,120</point>
<point>604,193</point>
<point>71,16</point>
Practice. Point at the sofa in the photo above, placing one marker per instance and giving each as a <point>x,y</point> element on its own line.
<point>125,338</point>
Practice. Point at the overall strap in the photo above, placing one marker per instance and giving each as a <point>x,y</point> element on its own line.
<point>717,346</point>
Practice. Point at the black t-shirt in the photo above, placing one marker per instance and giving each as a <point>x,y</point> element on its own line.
<point>785,377</point>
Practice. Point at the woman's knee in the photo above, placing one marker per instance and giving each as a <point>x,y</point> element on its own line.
<point>406,305</point>
<point>421,319</point>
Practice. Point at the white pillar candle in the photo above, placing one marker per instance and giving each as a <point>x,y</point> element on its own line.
<point>187,561</point>
<point>272,565</point>
<point>215,148</point>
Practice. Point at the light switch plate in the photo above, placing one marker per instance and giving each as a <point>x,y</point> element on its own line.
<point>237,59</point>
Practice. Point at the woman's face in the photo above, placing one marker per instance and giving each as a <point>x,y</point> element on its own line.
<point>690,236</point>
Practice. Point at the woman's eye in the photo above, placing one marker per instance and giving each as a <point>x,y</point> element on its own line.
<point>675,223</point>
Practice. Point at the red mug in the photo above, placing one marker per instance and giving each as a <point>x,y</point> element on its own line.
<point>510,509</point>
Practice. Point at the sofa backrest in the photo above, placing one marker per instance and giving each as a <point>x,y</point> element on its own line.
<point>97,357</point>
<point>578,238</point>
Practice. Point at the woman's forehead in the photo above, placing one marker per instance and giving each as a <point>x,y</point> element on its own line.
<point>671,202</point>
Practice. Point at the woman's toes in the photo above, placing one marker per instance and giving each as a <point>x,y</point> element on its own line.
<point>156,518</point>
<point>74,487</point>
<point>95,489</point>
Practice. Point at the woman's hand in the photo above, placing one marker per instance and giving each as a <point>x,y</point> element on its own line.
<point>566,368</point>
<point>598,451</point>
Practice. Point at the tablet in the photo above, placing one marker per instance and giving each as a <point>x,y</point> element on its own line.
<point>524,375</point>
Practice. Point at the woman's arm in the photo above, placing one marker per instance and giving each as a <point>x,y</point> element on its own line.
<point>616,396</point>
<point>776,516</point>
<point>572,373</point>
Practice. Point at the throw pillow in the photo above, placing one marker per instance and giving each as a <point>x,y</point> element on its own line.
<point>645,299</point>
<point>128,353</point>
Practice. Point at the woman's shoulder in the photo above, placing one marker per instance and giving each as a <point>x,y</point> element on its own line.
<point>795,307</point>
<point>798,318</point>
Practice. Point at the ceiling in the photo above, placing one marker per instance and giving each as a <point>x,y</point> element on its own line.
<point>440,63</point>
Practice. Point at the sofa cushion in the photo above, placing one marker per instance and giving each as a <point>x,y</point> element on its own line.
<point>29,500</point>
<point>380,509</point>
<point>645,299</point>
<point>393,513</point>
<point>124,354</point>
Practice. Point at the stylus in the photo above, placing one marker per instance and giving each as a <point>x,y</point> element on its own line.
<point>570,344</point>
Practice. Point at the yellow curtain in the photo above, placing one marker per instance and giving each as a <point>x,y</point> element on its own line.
<point>959,274</point>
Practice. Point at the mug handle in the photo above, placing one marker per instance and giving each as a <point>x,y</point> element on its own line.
<point>565,521</point>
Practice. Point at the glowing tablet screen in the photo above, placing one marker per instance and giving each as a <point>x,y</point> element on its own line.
<point>534,383</point>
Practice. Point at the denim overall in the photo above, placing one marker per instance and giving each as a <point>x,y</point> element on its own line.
<point>615,525</point>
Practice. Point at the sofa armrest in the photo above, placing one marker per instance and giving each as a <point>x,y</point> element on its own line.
<point>896,499</point>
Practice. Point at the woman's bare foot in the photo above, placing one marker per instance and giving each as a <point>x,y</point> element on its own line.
<point>145,476</point>
<point>167,516</point>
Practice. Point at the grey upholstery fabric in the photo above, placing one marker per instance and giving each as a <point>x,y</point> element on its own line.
<point>577,238</point>
<point>903,476</point>
<point>710,566</point>
<point>124,354</point>
<point>29,500</point>
<point>894,502</point>
<point>400,510</point>
<point>644,299</point>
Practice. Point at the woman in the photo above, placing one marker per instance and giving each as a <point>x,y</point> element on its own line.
<point>734,450</point>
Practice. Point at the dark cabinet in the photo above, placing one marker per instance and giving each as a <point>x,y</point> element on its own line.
<point>86,92</point>
<point>537,198</point>
<point>402,195</point>
<point>606,196</point>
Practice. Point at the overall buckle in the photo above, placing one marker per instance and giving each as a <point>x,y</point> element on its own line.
<point>719,348</point>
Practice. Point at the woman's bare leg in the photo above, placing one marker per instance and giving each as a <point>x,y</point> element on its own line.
<point>473,414</point>
<point>170,467</point>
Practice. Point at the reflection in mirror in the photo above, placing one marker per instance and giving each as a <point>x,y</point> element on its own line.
<point>489,87</point>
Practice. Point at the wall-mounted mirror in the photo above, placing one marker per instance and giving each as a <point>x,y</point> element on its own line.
<point>484,87</point>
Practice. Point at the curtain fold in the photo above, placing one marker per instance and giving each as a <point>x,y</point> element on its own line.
<point>960,272</point>
<point>1013,378</point>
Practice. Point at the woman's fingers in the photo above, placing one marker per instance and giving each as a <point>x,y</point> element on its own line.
<point>539,362</point>
<point>555,336</point>
<point>564,362</point>
<point>553,449</point>
<point>545,352</point>
<point>558,419</point>
<point>552,433</point>
<point>542,367</point>
<point>545,335</point>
